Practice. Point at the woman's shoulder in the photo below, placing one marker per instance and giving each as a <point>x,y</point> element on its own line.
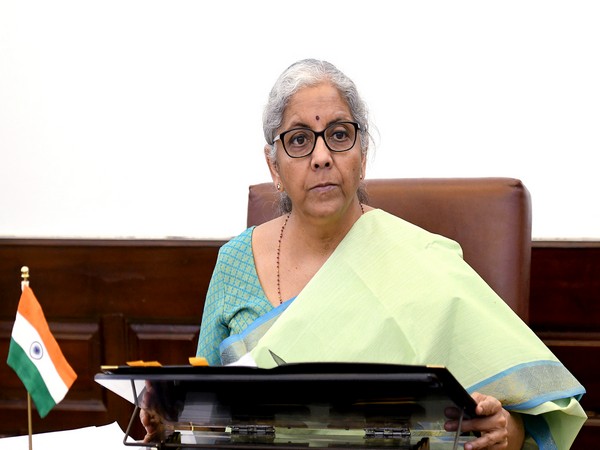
<point>237,248</point>
<point>253,240</point>
<point>244,238</point>
<point>391,226</point>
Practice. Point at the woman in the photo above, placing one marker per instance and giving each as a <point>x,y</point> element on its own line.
<point>333,279</point>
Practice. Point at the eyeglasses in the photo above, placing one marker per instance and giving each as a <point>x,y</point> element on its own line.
<point>300,142</point>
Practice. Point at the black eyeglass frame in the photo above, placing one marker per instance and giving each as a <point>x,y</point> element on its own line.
<point>318,134</point>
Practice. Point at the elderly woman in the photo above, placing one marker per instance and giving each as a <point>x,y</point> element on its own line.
<point>333,279</point>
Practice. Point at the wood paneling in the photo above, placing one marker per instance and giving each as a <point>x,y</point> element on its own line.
<point>565,314</point>
<point>111,301</point>
<point>565,286</point>
<point>169,344</point>
<point>107,302</point>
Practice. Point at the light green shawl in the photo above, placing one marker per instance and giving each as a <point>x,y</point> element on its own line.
<point>393,293</point>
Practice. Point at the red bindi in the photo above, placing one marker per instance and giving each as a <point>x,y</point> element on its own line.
<point>317,117</point>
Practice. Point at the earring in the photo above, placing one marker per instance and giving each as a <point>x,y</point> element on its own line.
<point>278,186</point>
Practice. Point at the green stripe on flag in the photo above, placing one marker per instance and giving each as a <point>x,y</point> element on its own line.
<point>31,378</point>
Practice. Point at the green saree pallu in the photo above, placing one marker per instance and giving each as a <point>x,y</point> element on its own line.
<point>394,293</point>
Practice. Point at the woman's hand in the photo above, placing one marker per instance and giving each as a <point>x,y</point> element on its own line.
<point>499,429</point>
<point>150,418</point>
<point>153,425</point>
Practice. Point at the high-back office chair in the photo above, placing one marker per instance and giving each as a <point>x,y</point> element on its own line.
<point>489,217</point>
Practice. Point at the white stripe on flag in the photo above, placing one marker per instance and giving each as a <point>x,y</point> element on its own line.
<point>27,336</point>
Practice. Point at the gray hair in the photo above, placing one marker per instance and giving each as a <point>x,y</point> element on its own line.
<point>307,73</point>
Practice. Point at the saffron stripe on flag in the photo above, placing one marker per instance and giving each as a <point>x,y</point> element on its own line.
<point>27,337</point>
<point>31,378</point>
<point>31,310</point>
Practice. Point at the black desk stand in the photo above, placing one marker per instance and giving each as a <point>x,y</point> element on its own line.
<point>295,406</point>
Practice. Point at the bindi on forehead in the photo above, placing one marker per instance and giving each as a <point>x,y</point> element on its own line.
<point>317,118</point>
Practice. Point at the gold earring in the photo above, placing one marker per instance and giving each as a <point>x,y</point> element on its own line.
<point>278,186</point>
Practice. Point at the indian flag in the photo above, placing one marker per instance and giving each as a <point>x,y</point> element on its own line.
<point>36,357</point>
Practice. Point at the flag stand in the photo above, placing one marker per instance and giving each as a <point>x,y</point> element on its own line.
<point>29,427</point>
<point>25,282</point>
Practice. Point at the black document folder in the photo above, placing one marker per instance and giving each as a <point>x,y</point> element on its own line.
<point>342,405</point>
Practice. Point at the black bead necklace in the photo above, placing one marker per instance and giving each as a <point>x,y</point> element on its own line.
<point>362,209</point>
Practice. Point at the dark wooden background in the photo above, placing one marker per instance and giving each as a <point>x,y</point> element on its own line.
<point>112,301</point>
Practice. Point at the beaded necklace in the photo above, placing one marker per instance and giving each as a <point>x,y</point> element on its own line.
<point>362,209</point>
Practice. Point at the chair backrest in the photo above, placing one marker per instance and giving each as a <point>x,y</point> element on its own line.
<point>489,217</point>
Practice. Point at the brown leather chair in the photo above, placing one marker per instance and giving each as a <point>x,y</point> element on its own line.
<point>489,217</point>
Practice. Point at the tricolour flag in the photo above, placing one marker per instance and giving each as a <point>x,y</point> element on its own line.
<point>36,357</point>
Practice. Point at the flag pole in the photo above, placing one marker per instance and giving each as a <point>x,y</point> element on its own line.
<point>29,427</point>
<point>24,283</point>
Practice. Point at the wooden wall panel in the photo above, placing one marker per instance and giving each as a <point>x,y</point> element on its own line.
<point>166,343</point>
<point>565,286</point>
<point>565,313</point>
<point>107,302</point>
<point>578,352</point>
